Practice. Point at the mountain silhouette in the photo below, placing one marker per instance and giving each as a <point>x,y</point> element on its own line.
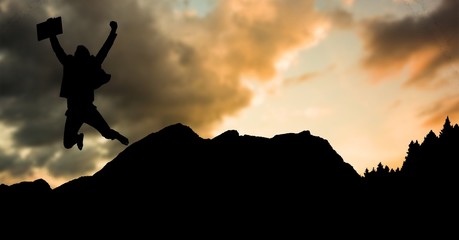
<point>177,158</point>
<point>175,174</point>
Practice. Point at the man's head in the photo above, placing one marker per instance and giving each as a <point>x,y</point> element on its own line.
<point>81,52</point>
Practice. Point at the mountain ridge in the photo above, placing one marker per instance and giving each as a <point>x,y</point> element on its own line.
<point>226,152</point>
<point>224,145</point>
<point>179,142</point>
<point>181,179</point>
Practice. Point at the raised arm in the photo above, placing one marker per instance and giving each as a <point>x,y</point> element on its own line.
<point>100,57</point>
<point>58,50</point>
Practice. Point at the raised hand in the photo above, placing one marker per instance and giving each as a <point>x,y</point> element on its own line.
<point>113,25</point>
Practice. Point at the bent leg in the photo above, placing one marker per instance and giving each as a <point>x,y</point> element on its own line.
<point>95,119</point>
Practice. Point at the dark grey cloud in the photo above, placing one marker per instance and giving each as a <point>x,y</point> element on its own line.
<point>27,90</point>
<point>72,164</point>
<point>9,163</point>
<point>427,43</point>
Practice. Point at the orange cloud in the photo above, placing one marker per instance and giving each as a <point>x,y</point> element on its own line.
<point>437,112</point>
<point>348,3</point>
<point>247,37</point>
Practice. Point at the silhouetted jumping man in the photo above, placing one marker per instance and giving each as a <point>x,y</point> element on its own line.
<point>82,74</point>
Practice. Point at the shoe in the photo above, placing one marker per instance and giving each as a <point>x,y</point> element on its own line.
<point>80,141</point>
<point>122,139</point>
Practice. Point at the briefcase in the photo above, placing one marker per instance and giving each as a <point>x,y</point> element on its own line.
<point>49,28</point>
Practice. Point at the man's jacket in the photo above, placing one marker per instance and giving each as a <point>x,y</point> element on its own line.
<point>81,77</point>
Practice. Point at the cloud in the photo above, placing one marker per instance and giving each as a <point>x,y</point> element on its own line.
<point>246,38</point>
<point>348,3</point>
<point>72,164</point>
<point>341,18</point>
<point>436,113</point>
<point>425,45</point>
<point>167,66</point>
<point>299,79</point>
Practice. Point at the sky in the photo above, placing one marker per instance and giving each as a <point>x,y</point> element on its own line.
<point>367,76</point>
